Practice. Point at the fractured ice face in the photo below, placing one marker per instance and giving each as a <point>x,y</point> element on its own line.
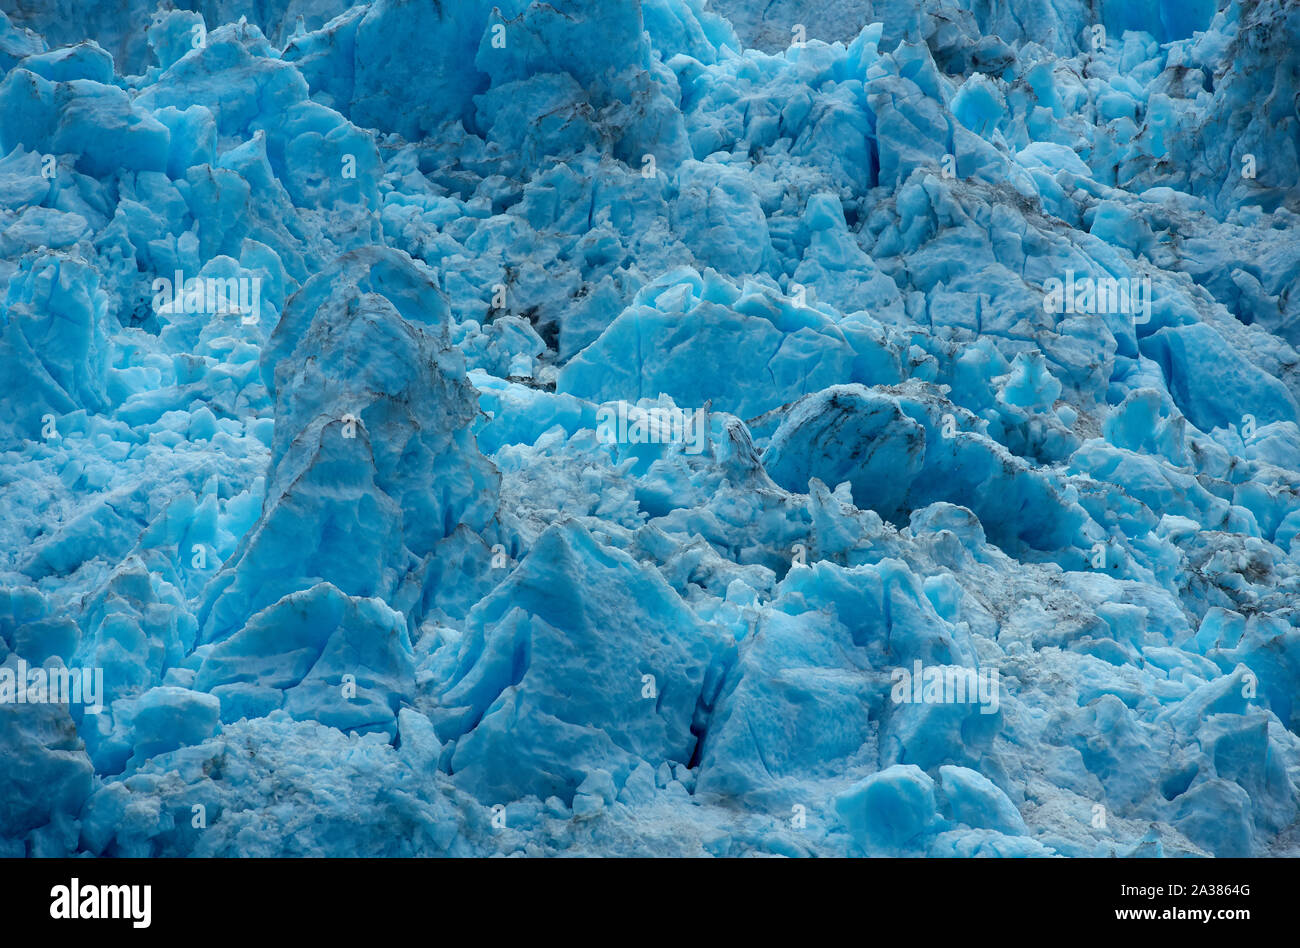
<point>654,427</point>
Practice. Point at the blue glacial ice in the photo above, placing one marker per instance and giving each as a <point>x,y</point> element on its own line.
<point>501,427</point>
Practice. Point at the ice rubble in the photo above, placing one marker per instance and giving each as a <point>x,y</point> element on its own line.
<point>363,578</point>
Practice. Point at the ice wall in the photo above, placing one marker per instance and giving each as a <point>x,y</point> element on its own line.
<point>468,428</point>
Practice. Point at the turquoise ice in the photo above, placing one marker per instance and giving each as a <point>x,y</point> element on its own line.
<point>987,542</point>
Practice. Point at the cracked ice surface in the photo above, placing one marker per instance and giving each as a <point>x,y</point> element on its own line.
<point>977,534</point>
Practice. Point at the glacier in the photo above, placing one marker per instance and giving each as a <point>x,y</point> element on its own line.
<point>312,316</point>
